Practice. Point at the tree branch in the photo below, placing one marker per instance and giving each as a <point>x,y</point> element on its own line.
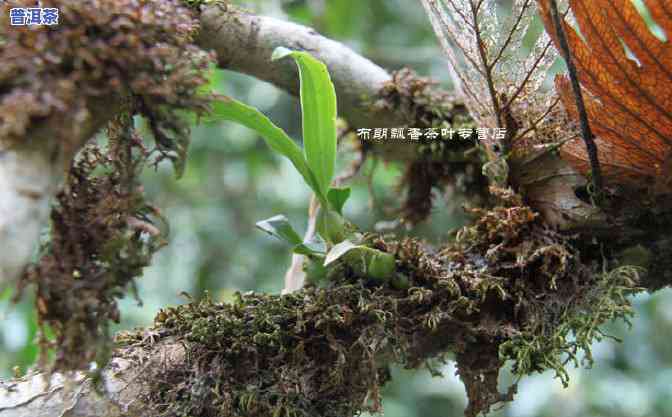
<point>74,393</point>
<point>244,43</point>
<point>324,351</point>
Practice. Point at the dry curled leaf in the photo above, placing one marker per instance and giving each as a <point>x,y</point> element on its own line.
<point>626,75</point>
<point>500,83</point>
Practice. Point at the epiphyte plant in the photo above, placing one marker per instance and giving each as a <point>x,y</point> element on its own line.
<point>316,163</point>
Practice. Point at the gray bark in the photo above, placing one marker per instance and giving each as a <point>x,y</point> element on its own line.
<point>74,395</point>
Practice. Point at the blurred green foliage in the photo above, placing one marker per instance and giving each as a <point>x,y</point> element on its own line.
<point>232,180</point>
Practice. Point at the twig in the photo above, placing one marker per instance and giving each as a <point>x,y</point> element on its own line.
<point>586,133</point>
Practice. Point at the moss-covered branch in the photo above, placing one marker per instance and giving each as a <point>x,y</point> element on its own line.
<point>59,85</point>
<point>509,289</point>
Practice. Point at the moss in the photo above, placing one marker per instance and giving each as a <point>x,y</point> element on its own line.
<point>138,55</point>
<point>418,99</point>
<point>507,289</point>
<point>102,236</point>
<point>445,162</point>
<point>316,352</point>
<point>554,344</point>
<point>101,49</point>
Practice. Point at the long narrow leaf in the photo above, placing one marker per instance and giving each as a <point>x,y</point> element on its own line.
<point>318,106</point>
<point>227,108</point>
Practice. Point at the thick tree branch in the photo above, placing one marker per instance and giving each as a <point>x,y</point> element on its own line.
<point>324,351</point>
<point>244,43</point>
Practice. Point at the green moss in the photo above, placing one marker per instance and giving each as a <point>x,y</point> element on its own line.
<point>507,289</point>
<point>558,341</point>
<point>315,352</point>
<point>139,56</point>
<point>102,236</point>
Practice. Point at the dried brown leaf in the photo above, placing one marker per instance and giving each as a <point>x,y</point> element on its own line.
<point>626,74</point>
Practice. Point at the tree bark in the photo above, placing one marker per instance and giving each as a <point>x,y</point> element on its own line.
<point>75,395</point>
<point>31,172</point>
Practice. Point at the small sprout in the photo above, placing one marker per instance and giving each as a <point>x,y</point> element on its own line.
<point>338,197</point>
<point>331,226</point>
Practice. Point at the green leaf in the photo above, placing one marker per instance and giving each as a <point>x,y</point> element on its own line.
<point>365,261</point>
<point>338,197</point>
<point>227,108</point>
<point>280,227</point>
<point>331,226</point>
<point>309,249</point>
<point>318,107</point>
<point>339,251</point>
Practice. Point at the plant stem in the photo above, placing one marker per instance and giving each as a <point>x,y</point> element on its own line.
<point>586,133</point>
